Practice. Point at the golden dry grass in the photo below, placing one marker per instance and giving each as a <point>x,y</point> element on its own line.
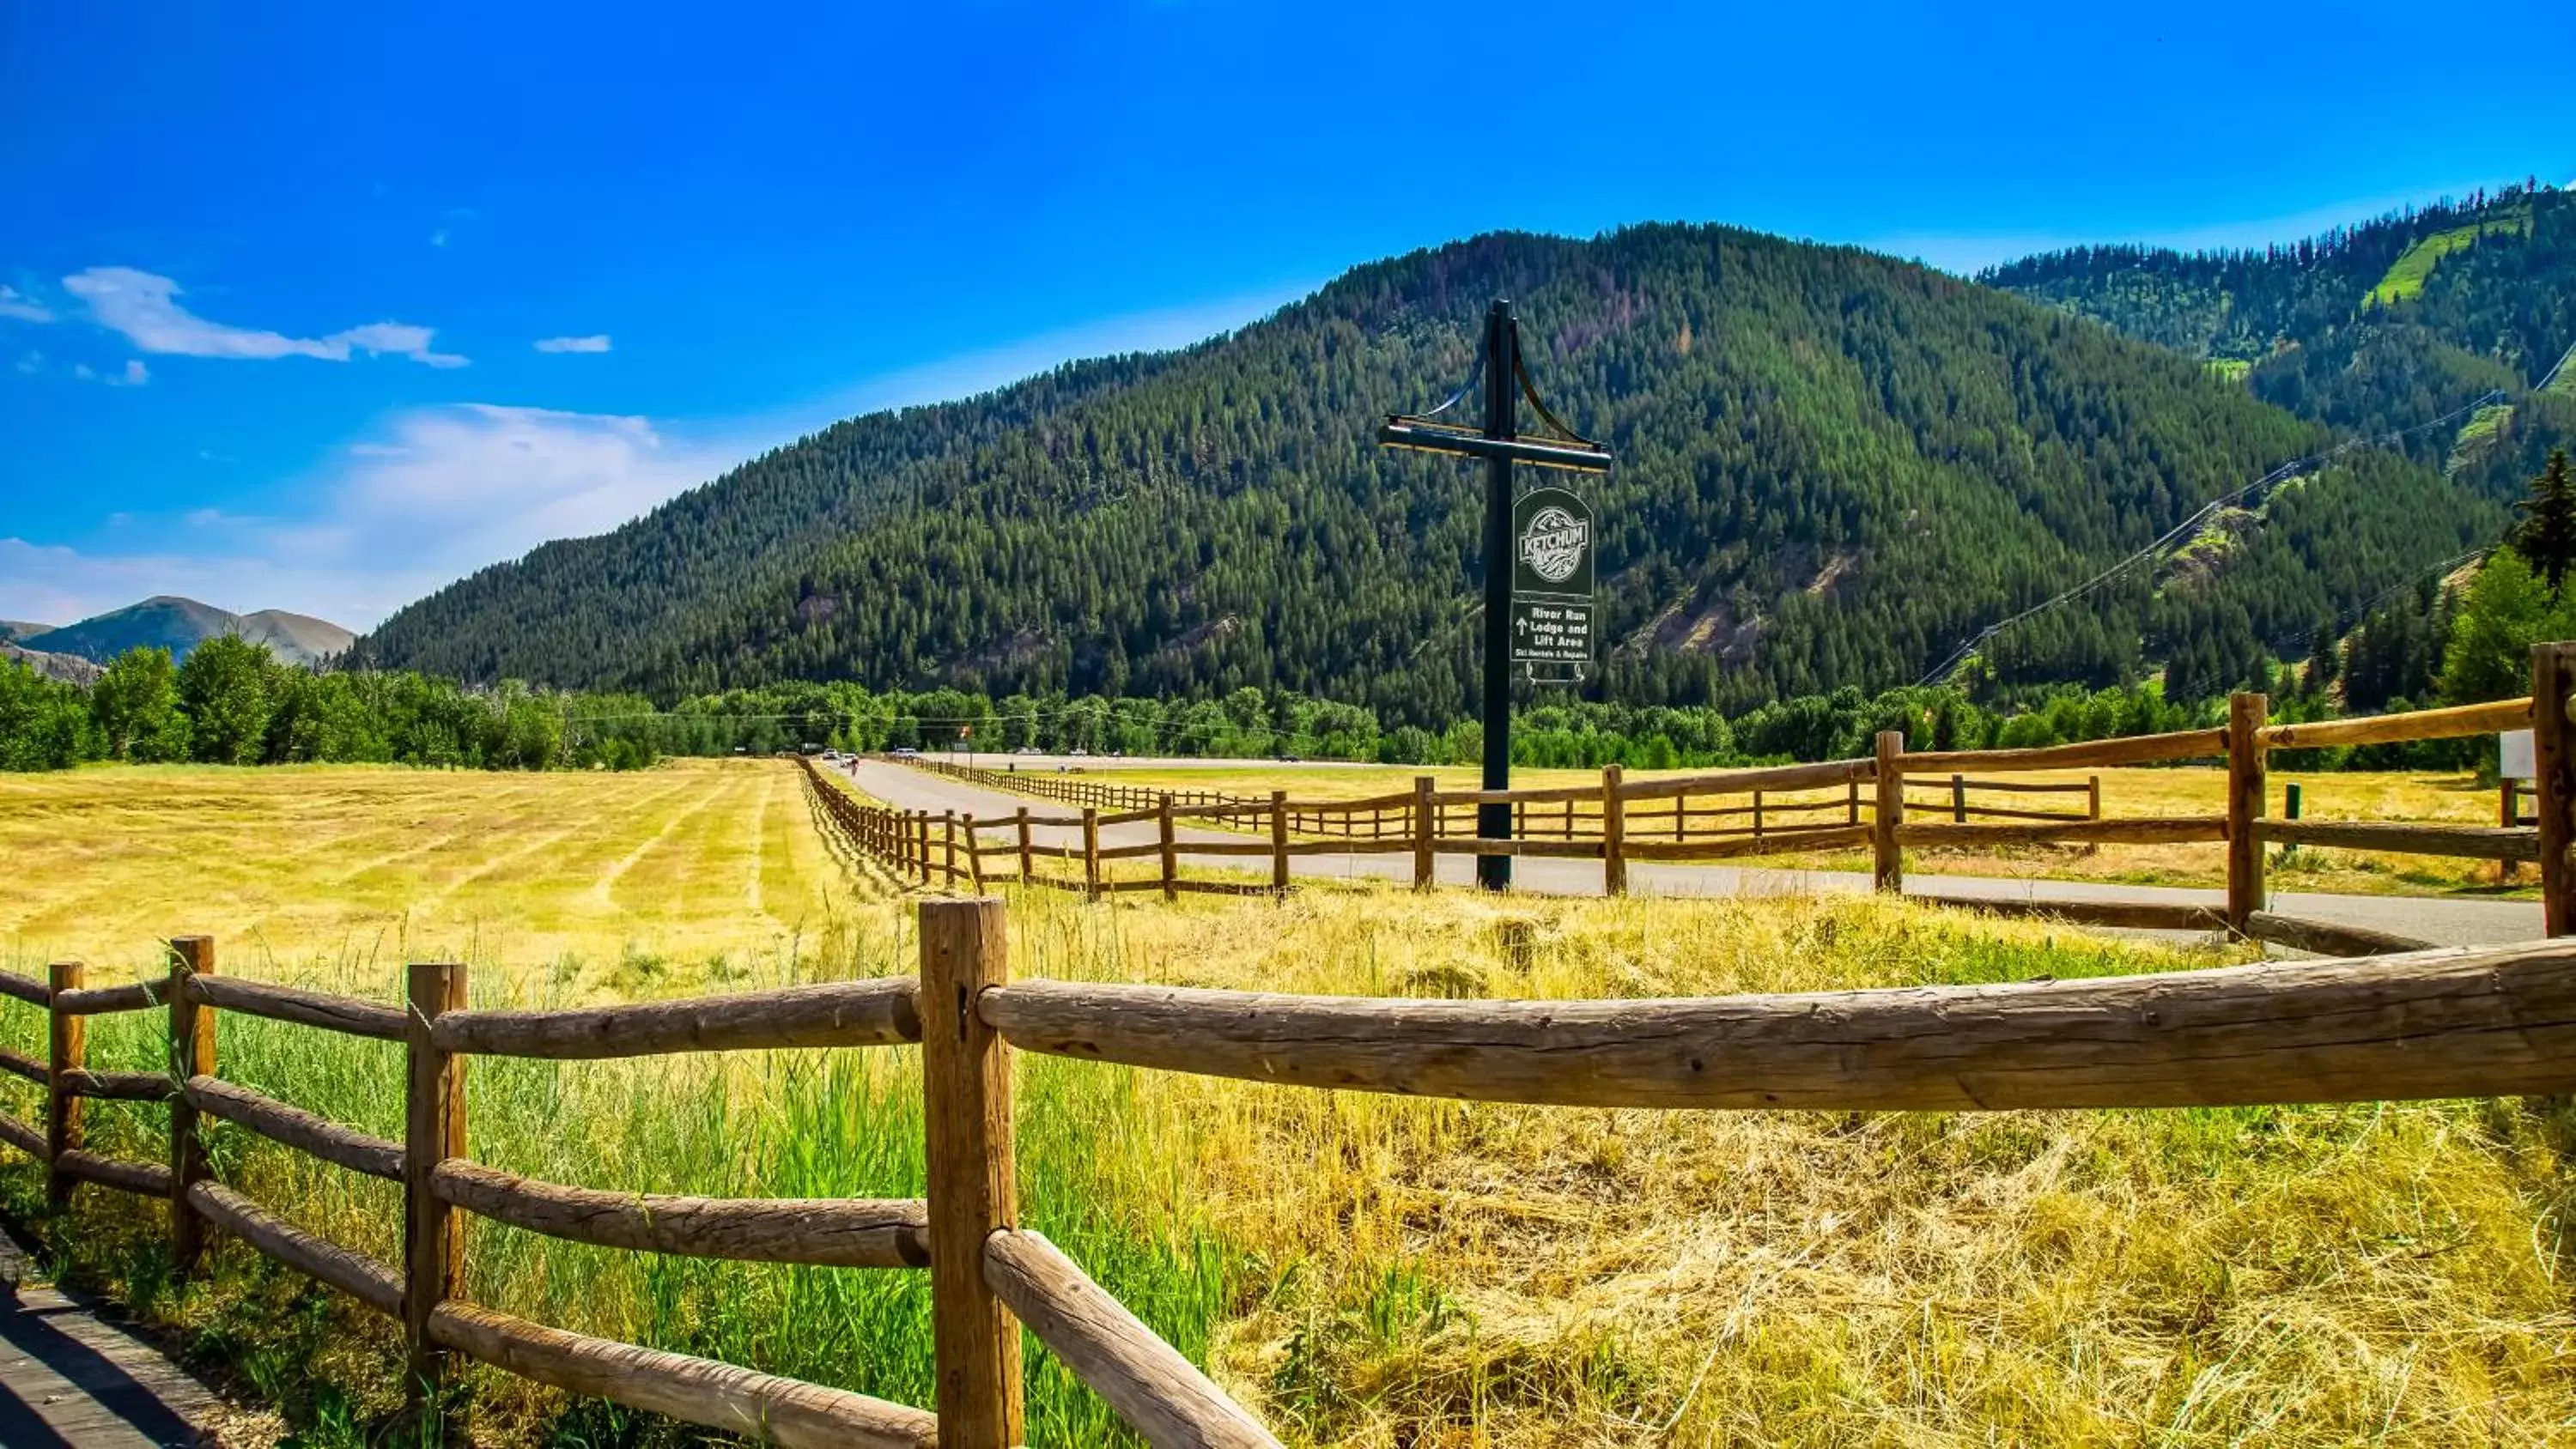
<point>691,860</point>
<point>1442,1273</point>
<point>1374,1272</point>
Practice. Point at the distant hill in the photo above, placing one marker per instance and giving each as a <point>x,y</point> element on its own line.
<point>14,629</point>
<point>180,625</point>
<point>2374,329</point>
<point>69,668</point>
<point>297,638</point>
<point>1834,466</point>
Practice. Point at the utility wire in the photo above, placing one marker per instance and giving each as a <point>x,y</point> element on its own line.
<point>2296,467</point>
<point>2563,359</point>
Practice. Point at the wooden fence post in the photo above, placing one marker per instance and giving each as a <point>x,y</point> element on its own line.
<point>66,1052</point>
<point>1959,799</point>
<point>1425,831</point>
<point>1028,857</point>
<point>966,1095</point>
<point>1757,815</point>
<point>1887,862</point>
<point>974,857</point>
<point>1279,841</point>
<point>1614,833</point>
<point>192,1054</point>
<point>2092,797</point>
<point>2509,817</point>
<point>1091,852</point>
<point>433,1131</point>
<point>1851,802</point>
<point>2245,715</point>
<point>1171,856</point>
<point>2553,764</point>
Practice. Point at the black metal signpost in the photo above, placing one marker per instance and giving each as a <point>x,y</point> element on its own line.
<point>1538,554</point>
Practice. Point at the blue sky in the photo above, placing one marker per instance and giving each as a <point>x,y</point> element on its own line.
<point>321,308</point>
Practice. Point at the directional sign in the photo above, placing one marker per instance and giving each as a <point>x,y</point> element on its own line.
<point>1552,543</point>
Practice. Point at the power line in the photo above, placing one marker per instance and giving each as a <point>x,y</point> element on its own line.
<point>2296,467</point>
<point>2563,359</point>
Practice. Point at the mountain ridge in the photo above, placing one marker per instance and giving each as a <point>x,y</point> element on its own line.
<point>1834,466</point>
<point>179,624</point>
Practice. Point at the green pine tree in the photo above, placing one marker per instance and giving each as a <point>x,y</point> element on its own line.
<point>2546,537</point>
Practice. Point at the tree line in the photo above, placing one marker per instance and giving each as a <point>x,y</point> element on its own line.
<point>1833,468</point>
<point>233,703</point>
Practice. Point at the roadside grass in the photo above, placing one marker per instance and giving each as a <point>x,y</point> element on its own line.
<point>1096,1179</point>
<point>1379,1271</point>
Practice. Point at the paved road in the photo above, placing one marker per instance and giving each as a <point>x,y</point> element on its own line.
<point>997,760</point>
<point>2449,921</point>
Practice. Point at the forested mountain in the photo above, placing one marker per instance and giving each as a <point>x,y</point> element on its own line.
<point>1834,467</point>
<point>2375,329</point>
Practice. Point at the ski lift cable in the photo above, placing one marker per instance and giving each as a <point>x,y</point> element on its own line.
<point>2295,467</point>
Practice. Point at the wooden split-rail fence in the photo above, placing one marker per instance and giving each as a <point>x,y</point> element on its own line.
<point>2484,1022</point>
<point>1878,803</point>
<point>988,1275</point>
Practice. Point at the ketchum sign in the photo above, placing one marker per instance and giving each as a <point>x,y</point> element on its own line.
<point>1552,542</point>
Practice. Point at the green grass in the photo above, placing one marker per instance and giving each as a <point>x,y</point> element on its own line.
<point>2407,274</point>
<point>766,1124</point>
<point>2478,433</point>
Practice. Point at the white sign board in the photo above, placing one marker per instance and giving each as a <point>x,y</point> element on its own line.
<point>2513,756</point>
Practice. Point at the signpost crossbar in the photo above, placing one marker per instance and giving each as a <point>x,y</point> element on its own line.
<point>1539,609</point>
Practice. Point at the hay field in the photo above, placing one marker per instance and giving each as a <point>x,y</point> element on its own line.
<point>692,863</point>
<point>1373,1272</point>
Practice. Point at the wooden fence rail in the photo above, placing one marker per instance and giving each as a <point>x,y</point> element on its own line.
<point>2482,1022</point>
<point>1958,799</point>
<point>967,1084</point>
<point>2497,1021</point>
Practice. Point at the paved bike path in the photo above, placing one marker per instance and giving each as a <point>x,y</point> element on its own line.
<point>71,1380</point>
<point>2444,920</point>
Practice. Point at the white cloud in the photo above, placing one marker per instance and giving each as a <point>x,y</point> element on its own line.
<point>18,305</point>
<point>438,238</point>
<point>596,342</point>
<point>144,307</point>
<point>443,492</point>
<point>133,375</point>
<point>397,339</point>
<point>32,362</point>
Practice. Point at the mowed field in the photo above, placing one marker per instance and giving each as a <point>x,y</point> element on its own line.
<point>1367,1272</point>
<point>2423,797</point>
<point>692,863</point>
